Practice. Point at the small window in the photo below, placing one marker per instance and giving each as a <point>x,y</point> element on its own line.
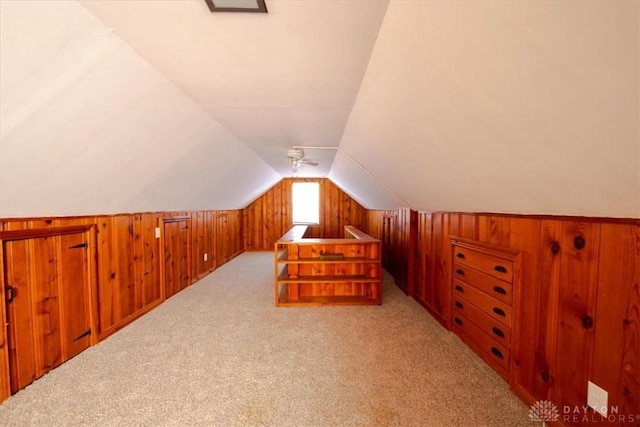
<point>305,198</point>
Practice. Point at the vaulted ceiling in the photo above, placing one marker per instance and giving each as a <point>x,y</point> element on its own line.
<point>143,105</point>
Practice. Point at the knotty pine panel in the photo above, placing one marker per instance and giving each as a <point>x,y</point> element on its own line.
<point>373,224</point>
<point>124,269</point>
<point>524,236</point>
<point>493,229</point>
<point>202,238</point>
<point>116,284</point>
<point>269,217</point>
<point>576,305</point>
<point>616,354</point>
<point>5,388</point>
<point>556,350</point>
<point>146,260</point>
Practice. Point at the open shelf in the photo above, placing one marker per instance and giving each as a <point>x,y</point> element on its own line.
<point>303,276</point>
<point>342,278</point>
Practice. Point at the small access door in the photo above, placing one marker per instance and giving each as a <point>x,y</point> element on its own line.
<point>177,248</point>
<point>47,295</point>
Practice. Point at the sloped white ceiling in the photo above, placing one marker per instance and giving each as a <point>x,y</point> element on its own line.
<point>287,77</point>
<point>522,107</point>
<point>87,126</point>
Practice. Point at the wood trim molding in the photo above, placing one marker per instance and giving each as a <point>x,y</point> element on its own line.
<point>43,232</point>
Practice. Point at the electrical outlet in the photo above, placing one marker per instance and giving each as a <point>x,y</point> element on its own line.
<point>157,232</point>
<point>206,256</point>
<point>597,398</point>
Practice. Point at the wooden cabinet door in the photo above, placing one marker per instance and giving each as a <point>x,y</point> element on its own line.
<point>23,366</point>
<point>223,241</point>
<point>388,228</point>
<point>74,290</point>
<point>48,307</point>
<point>177,266</point>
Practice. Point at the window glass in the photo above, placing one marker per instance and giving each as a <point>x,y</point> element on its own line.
<point>306,202</point>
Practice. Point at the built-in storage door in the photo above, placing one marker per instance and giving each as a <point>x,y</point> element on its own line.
<point>47,294</point>
<point>222,240</point>
<point>177,264</point>
<point>387,241</point>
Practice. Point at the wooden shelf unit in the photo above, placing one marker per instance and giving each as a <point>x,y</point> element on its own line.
<point>313,272</point>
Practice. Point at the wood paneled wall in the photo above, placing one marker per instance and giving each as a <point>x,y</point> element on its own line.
<point>397,230</point>
<point>128,279</point>
<point>269,217</point>
<point>579,308</point>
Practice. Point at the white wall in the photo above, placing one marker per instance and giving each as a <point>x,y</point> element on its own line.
<point>88,127</point>
<point>521,107</point>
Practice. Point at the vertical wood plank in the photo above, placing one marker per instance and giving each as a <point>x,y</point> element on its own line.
<point>525,238</point>
<point>576,304</point>
<point>46,303</point>
<point>616,356</point>
<point>74,286</point>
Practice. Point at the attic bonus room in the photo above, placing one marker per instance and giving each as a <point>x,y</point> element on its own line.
<point>319,213</point>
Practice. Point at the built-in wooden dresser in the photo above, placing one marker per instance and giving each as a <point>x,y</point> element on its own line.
<point>485,283</point>
<point>310,271</point>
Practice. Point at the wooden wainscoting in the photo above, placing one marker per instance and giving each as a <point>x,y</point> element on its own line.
<point>578,303</point>
<point>124,270</point>
<point>269,217</point>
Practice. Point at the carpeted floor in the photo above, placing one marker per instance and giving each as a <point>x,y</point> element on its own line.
<point>220,354</point>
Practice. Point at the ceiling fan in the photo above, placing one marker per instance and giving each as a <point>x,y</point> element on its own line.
<point>296,159</point>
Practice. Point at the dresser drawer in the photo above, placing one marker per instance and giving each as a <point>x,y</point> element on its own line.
<point>498,289</point>
<point>492,352</point>
<point>486,323</point>
<point>493,266</point>
<point>494,308</point>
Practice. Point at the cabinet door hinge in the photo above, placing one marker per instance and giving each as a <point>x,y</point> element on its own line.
<point>82,335</point>
<point>10,292</point>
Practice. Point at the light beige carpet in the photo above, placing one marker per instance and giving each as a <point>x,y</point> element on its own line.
<point>219,354</point>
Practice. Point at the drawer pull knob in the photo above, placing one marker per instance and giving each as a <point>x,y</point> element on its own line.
<point>579,242</point>
<point>498,332</point>
<point>500,269</point>
<point>460,272</point>
<point>497,352</point>
<point>460,255</point>
<point>459,304</point>
<point>459,288</point>
<point>499,312</point>
<point>458,321</point>
<point>587,322</point>
<point>500,290</point>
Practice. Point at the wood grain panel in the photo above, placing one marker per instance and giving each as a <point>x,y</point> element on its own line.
<point>22,341</point>
<point>5,388</point>
<point>146,260</point>
<point>46,299</point>
<point>524,236</point>
<point>176,240</point>
<point>576,304</point>
<point>74,283</point>
<point>616,354</point>
<point>269,217</point>
<point>493,229</point>
<point>116,282</point>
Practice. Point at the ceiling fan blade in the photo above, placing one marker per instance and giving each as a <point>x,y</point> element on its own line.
<point>310,162</point>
